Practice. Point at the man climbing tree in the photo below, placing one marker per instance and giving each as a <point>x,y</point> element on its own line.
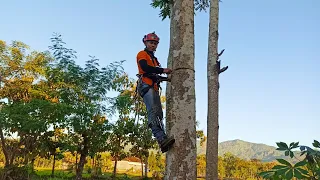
<point>180,94</point>
<point>148,88</point>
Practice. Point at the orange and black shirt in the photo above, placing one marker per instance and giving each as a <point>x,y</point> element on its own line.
<point>148,63</point>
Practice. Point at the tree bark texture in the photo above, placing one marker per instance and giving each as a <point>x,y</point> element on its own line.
<point>168,87</point>
<point>181,158</point>
<point>9,151</point>
<point>53,165</point>
<point>84,154</point>
<point>146,167</point>
<point>213,94</point>
<point>4,149</point>
<point>141,167</point>
<point>115,168</point>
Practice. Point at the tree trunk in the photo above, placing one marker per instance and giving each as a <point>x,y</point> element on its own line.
<point>213,94</point>
<point>181,159</point>
<point>53,165</point>
<point>81,165</point>
<point>4,149</point>
<point>141,166</point>
<point>13,154</point>
<point>93,166</point>
<point>83,155</point>
<point>32,164</point>
<point>76,161</point>
<point>115,168</point>
<point>146,167</point>
<point>26,159</point>
<point>168,87</point>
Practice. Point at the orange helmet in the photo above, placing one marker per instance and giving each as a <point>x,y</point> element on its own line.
<point>151,37</point>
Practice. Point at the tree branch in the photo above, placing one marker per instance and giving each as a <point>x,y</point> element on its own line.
<point>221,70</point>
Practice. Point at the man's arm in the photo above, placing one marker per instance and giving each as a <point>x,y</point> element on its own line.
<point>149,69</point>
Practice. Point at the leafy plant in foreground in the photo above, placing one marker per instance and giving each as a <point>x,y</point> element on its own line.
<point>308,168</point>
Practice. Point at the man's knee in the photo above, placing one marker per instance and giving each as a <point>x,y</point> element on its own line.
<point>155,123</point>
<point>156,111</point>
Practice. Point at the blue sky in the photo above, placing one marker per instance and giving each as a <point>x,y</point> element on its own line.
<point>268,94</point>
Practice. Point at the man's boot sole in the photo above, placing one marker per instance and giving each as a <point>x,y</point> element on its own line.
<point>168,145</point>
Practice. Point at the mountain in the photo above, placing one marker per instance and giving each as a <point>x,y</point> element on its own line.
<point>246,150</point>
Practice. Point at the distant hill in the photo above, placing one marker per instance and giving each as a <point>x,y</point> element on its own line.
<point>243,149</point>
<point>247,150</point>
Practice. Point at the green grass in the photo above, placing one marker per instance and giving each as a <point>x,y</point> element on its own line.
<point>45,174</point>
<point>63,174</point>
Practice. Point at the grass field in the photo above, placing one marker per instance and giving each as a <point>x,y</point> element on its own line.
<point>62,174</point>
<point>45,174</point>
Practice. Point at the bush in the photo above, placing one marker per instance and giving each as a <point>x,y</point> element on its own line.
<point>15,173</point>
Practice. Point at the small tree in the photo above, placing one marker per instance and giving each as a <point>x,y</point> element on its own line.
<point>30,106</point>
<point>52,146</point>
<point>122,129</point>
<point>85,90</point>
<point>141,139</point>
<point>118,140</point>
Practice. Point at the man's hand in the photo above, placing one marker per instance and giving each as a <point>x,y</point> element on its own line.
<point>167,70</point>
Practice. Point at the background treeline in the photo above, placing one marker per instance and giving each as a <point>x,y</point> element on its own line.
<point>230,166</point>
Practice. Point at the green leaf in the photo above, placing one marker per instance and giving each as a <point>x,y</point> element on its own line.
<point>291,144</point>
<point>276,177</point>
<point>266,174</point>
<point>301,163</point>
<point>282,161</point>
<point>303,171</point>
<point>280,174</point>
<point>279,167</point>
<point>289,174</point>
<point>316,144</point>
<point>282,171</point>
<point>291,154</point>
<point>294,145</point>
<point>297,174</point>
<point>282,146</point>
<point>286,153</point>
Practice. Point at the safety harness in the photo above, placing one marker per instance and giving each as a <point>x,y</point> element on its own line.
<point>156,79</point>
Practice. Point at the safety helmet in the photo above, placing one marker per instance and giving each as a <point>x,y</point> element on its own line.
<point>151,37</point>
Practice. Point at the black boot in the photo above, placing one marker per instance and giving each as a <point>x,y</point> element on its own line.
<point>166,144</point>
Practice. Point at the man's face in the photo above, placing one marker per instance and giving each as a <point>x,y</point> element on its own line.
<point>151,45</point>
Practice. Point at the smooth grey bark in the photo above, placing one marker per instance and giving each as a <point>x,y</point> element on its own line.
<point>213,94</point>
<point>168,87</point>
<point>181,159</point>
